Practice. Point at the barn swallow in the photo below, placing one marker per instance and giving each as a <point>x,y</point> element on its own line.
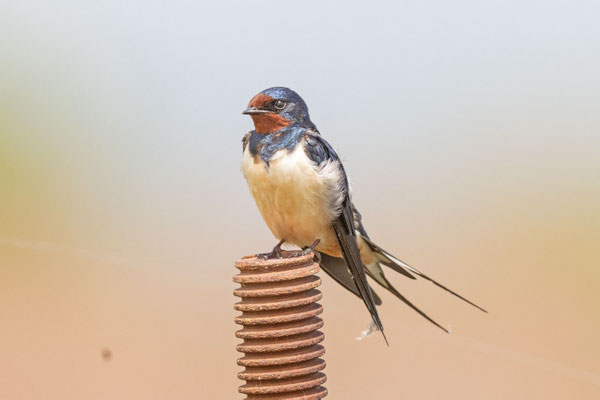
<point>302,192</point>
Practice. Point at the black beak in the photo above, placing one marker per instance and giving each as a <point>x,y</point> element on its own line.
<point>254,111</point>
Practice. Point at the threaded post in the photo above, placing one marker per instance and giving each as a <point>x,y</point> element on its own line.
<point>280,328</point>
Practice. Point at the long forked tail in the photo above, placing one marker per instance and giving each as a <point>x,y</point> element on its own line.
<point>376,273</point>
<point>400,266</point>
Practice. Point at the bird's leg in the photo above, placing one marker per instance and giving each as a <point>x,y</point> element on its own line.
<point>276,253</point>
<point>307,250</point>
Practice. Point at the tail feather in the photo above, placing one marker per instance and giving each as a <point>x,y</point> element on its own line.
<point>375,272</point>
<point>400,266</point>
<point>337,269</point>
<point>383,259</point>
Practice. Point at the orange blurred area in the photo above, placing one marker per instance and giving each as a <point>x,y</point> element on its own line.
<point>470,133</point>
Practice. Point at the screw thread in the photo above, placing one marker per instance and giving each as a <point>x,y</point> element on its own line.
<point>280,328</point>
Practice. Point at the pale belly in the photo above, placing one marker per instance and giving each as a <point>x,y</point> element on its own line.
<point>297,199</point>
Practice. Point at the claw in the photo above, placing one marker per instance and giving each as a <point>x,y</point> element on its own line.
<point>275,253</point>
<point>308,250</point>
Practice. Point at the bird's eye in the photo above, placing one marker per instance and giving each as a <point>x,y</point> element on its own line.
<point>279,104</point>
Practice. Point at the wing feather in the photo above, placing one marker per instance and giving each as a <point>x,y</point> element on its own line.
<point>318,150</point>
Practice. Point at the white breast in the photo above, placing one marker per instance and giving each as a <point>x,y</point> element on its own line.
<point>297,198</point>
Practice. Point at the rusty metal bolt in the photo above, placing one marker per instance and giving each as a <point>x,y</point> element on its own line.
<point>280,328</point>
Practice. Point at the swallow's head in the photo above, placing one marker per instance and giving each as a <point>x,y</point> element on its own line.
<point>276,108</point>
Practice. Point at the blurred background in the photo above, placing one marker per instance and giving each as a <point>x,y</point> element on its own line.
<point>471,133</point>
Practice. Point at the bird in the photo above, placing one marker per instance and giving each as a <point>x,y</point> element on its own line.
<point>302,191</point>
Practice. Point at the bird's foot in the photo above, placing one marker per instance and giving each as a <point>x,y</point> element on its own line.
<point>275,253</point>
<point>308,250</point>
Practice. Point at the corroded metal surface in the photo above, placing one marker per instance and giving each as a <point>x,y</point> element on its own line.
<point>280,328</point>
